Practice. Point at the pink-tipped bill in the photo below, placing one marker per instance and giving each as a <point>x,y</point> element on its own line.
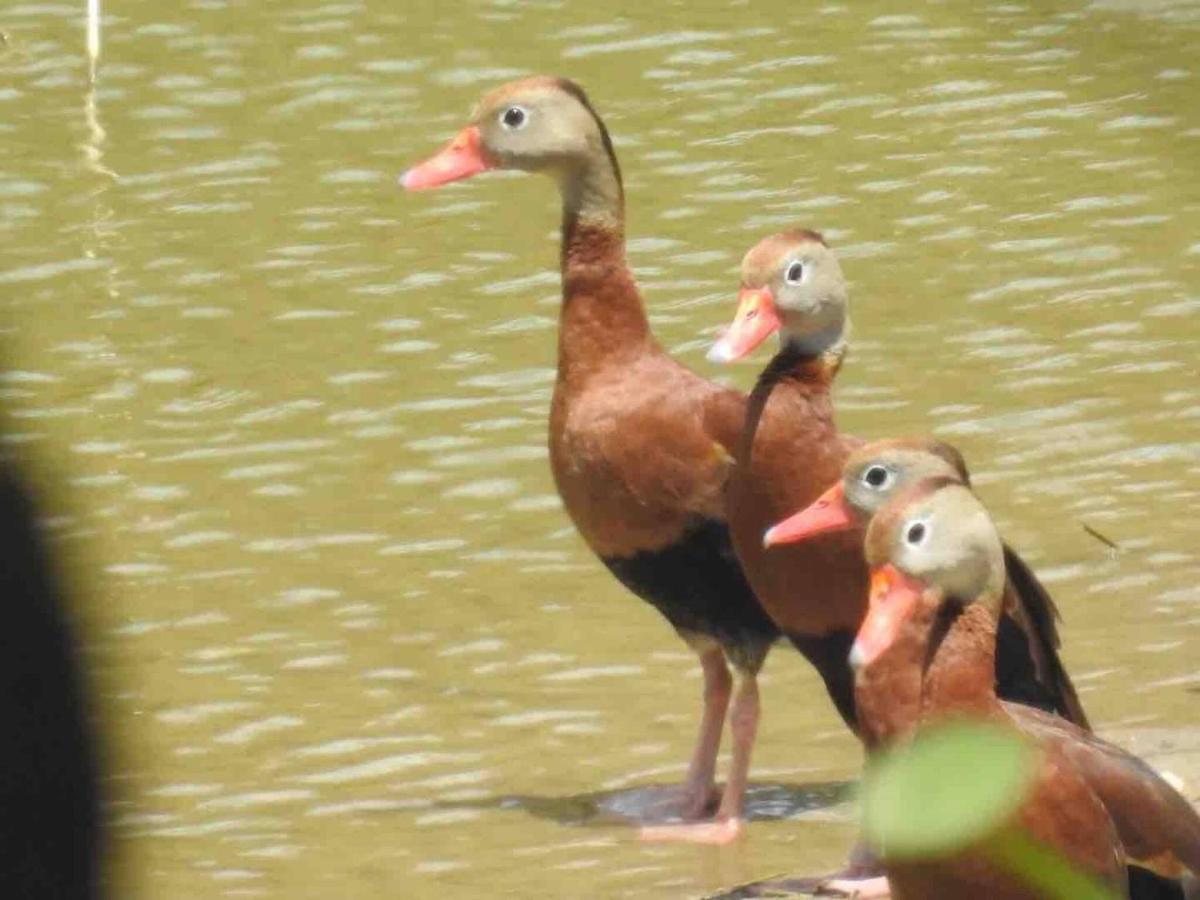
<point>892,602</point>
<point>756,319</point>
<point>461,158</point>
<point>829,512</point>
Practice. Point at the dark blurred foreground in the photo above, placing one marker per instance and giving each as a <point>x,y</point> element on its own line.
<point>50,818</point>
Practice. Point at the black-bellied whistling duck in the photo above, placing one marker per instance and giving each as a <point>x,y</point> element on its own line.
<point>1027,636</point>
<point>638,443</point>
<point>791,451</point>
<point>926,652</point>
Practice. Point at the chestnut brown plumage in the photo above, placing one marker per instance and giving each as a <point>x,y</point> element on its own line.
<point>640,446</point>
<point>1028,667</point>
<point>791,451</point>
<point>926,652</point>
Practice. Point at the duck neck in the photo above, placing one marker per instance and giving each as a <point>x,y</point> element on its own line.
<point>592,192</point>
<point>796,381</point>
<point>961,677</point>
<point>942,665</point>
<point>797,363</point>
<point>827,344</point>
<point>602,317</point>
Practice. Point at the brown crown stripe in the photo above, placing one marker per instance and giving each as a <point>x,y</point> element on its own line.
<point>578,93</point>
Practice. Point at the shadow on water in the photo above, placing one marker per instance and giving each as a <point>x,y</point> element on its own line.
<point>778,887</point>
<point>658,804</point>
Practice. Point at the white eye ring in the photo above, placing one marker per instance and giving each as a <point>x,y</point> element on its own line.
<point>915,533</point>
<point>877,477</point>
<point>514,118</point>
<point>794,273</point>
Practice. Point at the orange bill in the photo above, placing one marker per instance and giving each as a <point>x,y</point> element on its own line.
<point>461,158</point>
<point>756,320</point>
<point>892,602</point>
<point>829,512</point>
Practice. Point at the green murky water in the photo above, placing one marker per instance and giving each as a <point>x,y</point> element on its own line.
<point>293,420</point>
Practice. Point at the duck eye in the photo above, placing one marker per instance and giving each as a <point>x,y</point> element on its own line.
<point>915,533</point>
<point>876,476</point>
<point>514,117</point>
<point>794,273</point>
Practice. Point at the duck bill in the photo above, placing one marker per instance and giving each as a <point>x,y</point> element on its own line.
<point>829,512</point>
<point>892,602</point>
<point>461,158</point>
<point>756,320</point>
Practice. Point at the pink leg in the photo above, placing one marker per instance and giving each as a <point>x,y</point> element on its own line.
<point>700,785</point>
<point>743,723</point>
<point>728,824</point>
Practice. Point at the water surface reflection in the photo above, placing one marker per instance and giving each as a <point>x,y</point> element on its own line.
<point>304,414</point>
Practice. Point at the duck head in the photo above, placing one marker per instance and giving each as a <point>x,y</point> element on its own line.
<point>539,124</point>
<point>930,546</point>
<point>791,283</point>
<point>873,474</point>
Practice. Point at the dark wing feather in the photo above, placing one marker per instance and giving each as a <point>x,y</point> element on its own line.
<point>1037,616</point>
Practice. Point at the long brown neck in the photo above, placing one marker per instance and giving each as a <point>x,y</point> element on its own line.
<point>809,376</point>
<point>793,363</point>
<point>602,317</point>
<point>961,678</point>
<point>942,664</point>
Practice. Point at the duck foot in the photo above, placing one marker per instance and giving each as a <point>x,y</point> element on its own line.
<point>856,888</point>
<point>717,833</point>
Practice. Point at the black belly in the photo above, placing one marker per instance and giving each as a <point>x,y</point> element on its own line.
<point>1146,885</point>
<point>830,656</point>
<point>697,583</point>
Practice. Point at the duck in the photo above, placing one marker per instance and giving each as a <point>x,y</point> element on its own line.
<point>925,654</point>
<point>790,452</point>
<point>1028,631</point>
<point>639,445</point>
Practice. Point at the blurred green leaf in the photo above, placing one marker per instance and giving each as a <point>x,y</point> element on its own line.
<point>957,786</point>
<point>1046,870</point>
<point>951,787</point>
